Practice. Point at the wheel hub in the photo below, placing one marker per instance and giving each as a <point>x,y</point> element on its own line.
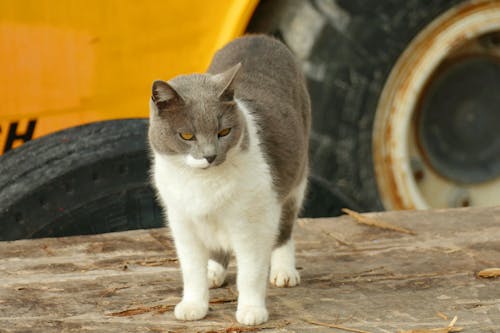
<point>436,136</point>
<point>459,123</point>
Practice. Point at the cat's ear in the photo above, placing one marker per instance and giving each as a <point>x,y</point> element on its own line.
<point>164,96</point>
<point>226,81</point>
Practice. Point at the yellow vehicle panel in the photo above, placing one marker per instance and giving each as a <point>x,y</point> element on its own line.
<point>66,63</point>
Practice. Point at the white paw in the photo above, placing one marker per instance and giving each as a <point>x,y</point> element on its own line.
<point>190,310</point>
<point>251,315</point>
<point>284,277</point>
<point>216,274</point>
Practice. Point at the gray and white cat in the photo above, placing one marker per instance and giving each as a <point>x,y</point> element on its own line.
<point>230,165</point>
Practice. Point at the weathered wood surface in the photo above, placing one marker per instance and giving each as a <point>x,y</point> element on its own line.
<point>357,276</point>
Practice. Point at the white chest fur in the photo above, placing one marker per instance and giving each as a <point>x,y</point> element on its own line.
<point>206,191</point>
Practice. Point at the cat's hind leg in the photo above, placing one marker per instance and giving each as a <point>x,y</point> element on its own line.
<point>217,268</point>
<point>283,272</point>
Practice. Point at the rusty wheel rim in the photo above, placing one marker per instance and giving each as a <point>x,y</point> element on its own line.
<point>406,178</point>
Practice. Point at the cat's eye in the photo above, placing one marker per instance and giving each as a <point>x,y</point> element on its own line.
<point>224,132</point>
<point>187,136</point>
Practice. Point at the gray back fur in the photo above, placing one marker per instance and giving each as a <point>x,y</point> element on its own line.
<point>272,86</point>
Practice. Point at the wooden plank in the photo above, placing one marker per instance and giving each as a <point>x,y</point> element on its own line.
<point>356,276</point>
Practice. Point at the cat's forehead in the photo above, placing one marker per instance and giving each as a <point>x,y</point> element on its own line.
<point>202,109</point>
<point>196,87</point>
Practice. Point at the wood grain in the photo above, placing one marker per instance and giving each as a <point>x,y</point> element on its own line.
<point>375,280</point>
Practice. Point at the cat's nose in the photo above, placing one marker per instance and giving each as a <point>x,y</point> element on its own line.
<point>210,158</point>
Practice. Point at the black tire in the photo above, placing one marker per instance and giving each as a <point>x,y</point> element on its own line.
<point>84,180</point>
<point>350,58</point>
<point>93,179</point>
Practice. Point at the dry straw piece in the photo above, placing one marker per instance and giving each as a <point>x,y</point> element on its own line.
<point>441,315</point>
<point>376,223</point>
<point>162,308</point>
<point>142,310</point>
<point>450,329</point>
<point>489,273</point>
<point>339,327</point>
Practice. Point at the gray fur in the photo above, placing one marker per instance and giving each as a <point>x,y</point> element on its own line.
<point>222,257</point>
<point>289,212</point>
<point>261,73</point>
<point>272,85</point>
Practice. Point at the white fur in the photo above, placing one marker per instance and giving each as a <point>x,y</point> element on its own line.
<point>201,163</point>
<point>230,206</point>
<point>216,274</point>
<point>283,272</point>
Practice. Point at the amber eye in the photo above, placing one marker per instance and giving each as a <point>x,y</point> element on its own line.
<point>224,132</point>
<point>187,136</point>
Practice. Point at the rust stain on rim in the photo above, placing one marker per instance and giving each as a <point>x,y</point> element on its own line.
<point>401,83</point>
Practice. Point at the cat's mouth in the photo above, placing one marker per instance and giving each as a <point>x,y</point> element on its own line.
<point>198,163</point>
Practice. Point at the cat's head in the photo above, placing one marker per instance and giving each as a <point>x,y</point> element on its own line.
<point>196,118</point>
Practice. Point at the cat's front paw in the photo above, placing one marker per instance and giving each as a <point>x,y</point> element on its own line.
<point>251,315</point>
<point>284,278</point>
<point>216,274</point>
<point>190,310</point>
